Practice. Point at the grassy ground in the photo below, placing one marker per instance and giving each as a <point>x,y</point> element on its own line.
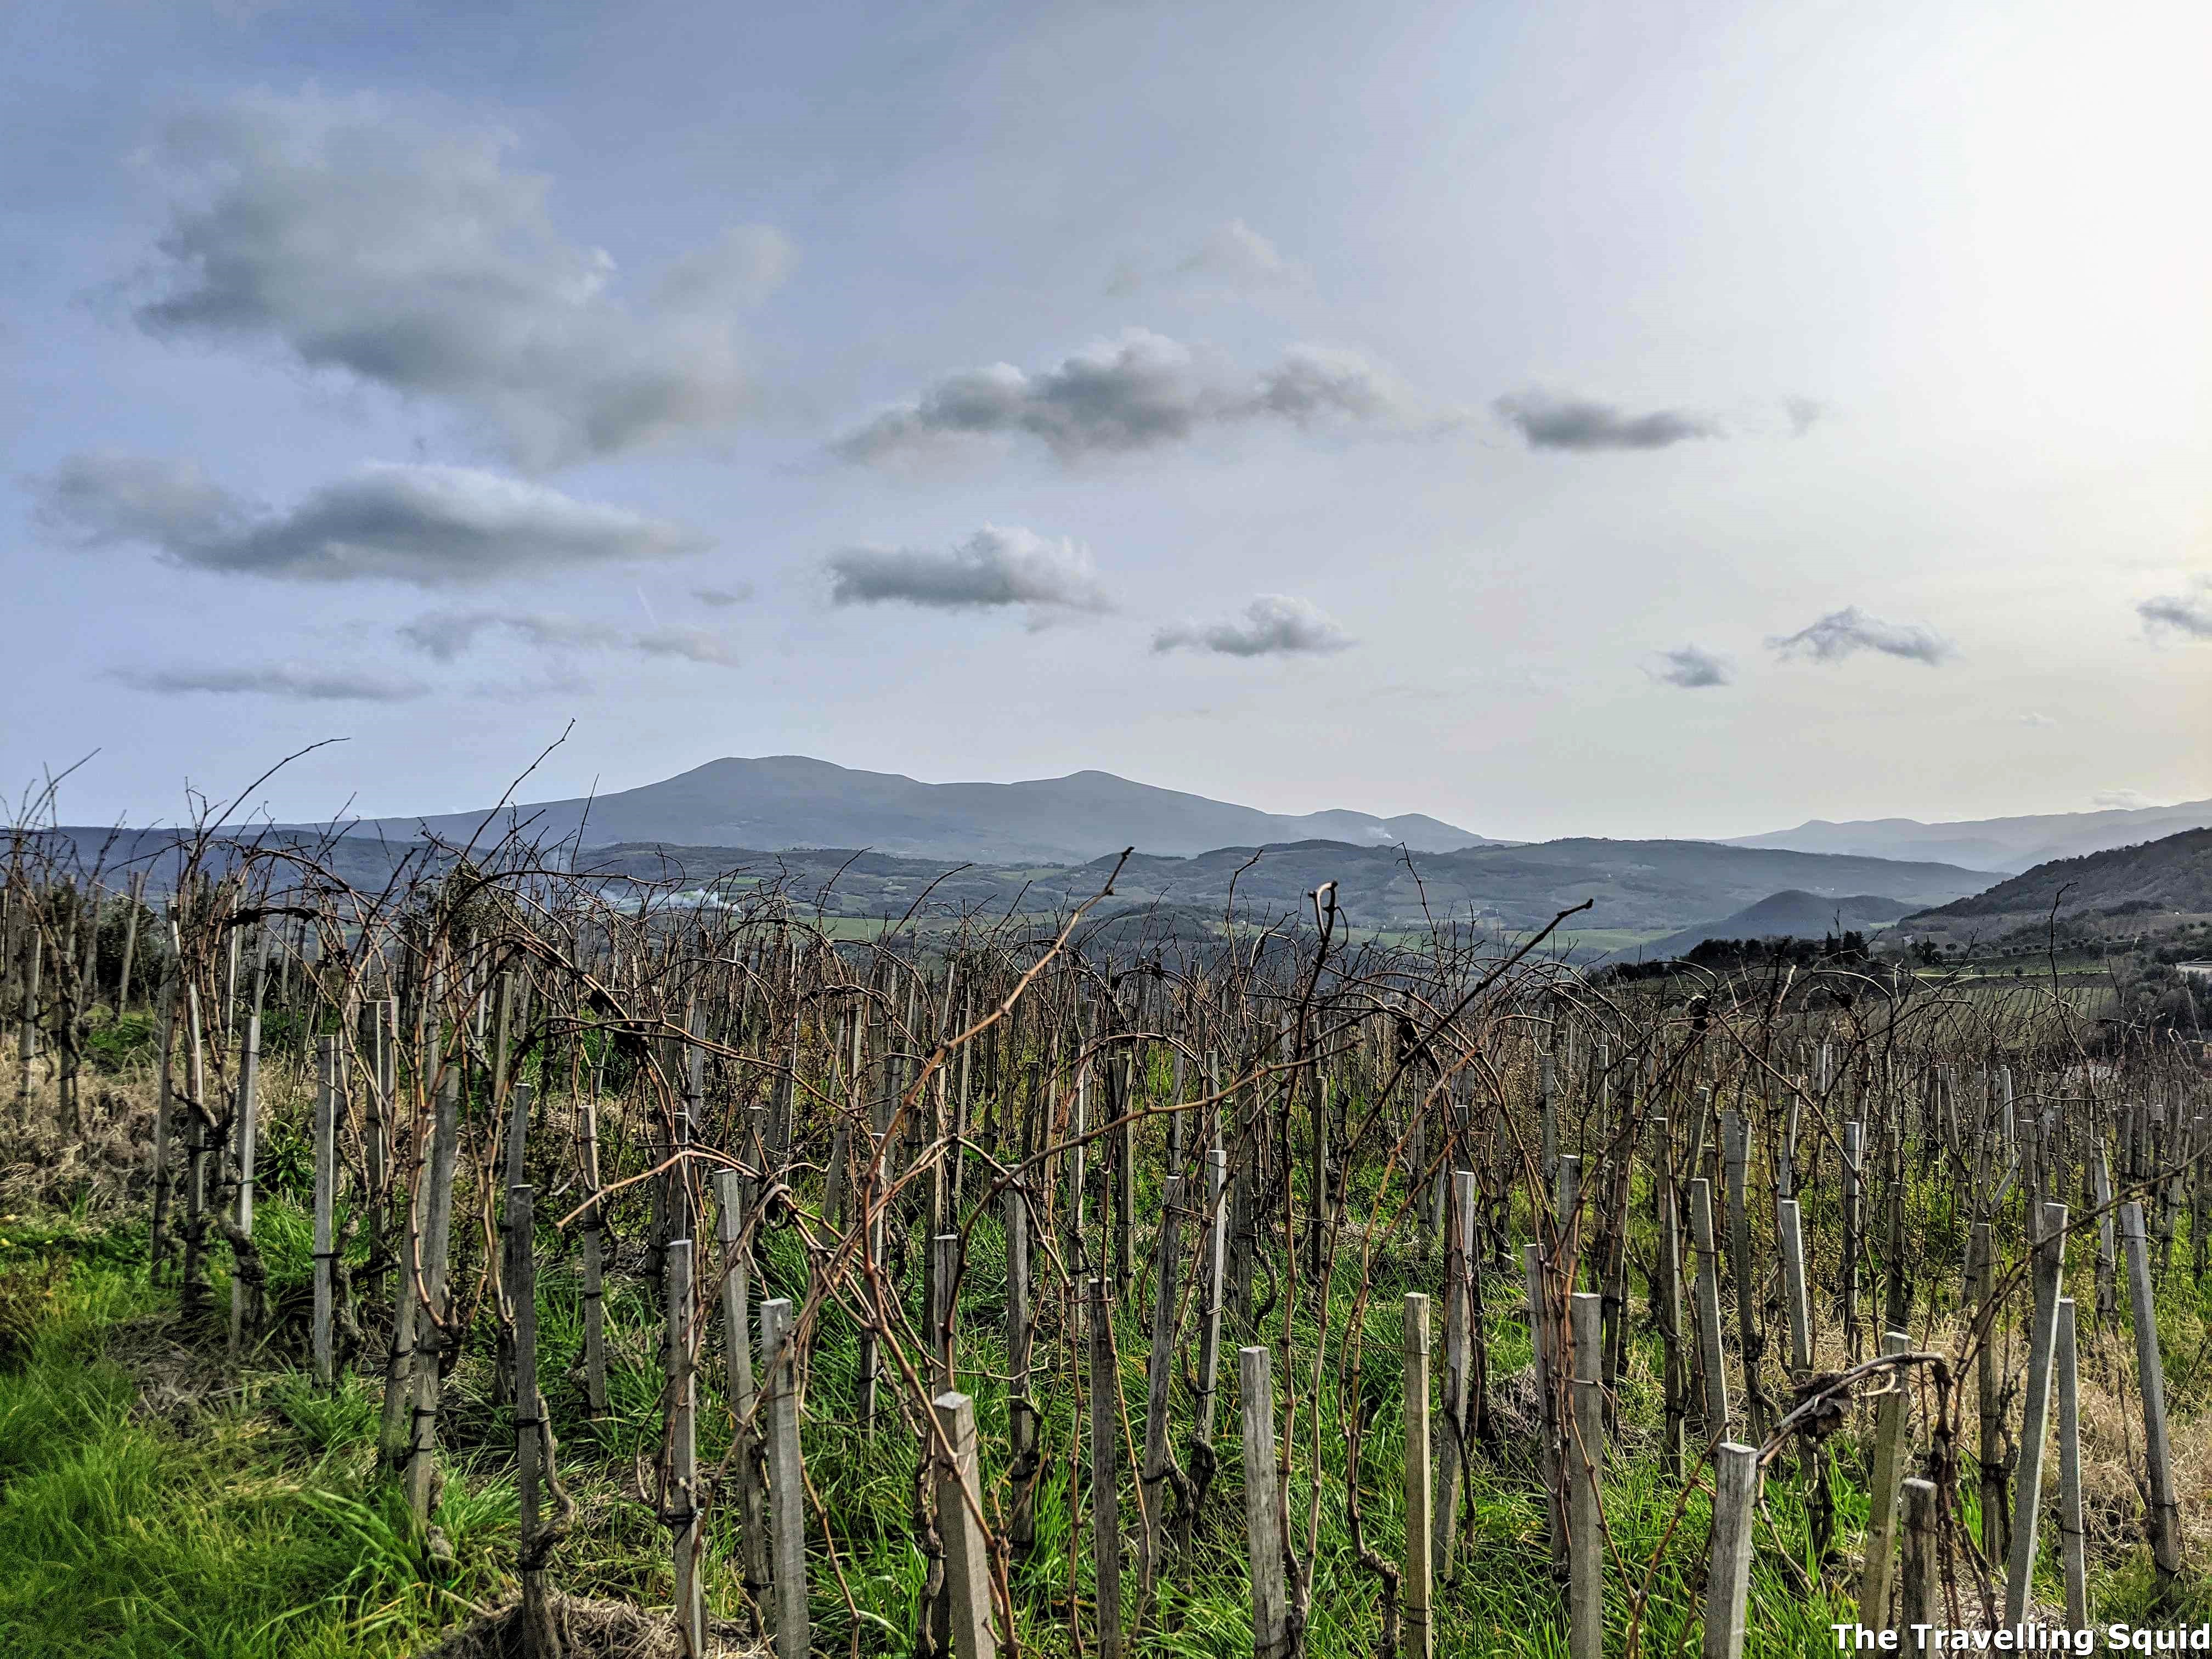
<point>155,1500</point>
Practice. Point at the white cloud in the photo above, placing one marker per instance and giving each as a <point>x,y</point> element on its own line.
<point>309,682</point>
<point>997,566</point>
<point>434,526</point>
<point>1141,390</point>
<point>1274,624</point>
<point>445,636</point>
<point>1844,633</point>
<point>357,236</point>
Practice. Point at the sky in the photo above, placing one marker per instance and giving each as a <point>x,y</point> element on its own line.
<point>1571,419</point>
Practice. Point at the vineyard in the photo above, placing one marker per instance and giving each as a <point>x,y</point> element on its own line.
<point>516,1260</point>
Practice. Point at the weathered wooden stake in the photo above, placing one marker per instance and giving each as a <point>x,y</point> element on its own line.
<point>1263,1518</point>
<point>1105,1471</point>
<point>2035,1411</point>
<point>1728,1583</point>
<point>1414,1591</point>
<point>687,1535</point>
<point>326,1151</point>
<point>2071,1540</point>
<point>2164,1519</point>
<point>787,1477</point>
<point>1889,1449</point>
<point>1586,1457</point>
<point>967,1554</point>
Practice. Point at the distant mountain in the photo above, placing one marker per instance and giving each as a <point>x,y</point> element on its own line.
<point>790,801</point>
<point>2005,845</point>
<point>2129,890</point>
<point>1793,914</point>
<point>1638,886</point>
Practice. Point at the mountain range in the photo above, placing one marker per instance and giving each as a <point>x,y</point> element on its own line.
<point>782,801</point>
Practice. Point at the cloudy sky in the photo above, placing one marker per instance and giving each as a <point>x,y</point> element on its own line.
<point>1677,419</point>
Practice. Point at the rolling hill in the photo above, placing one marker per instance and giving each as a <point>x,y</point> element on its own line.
<point>2148,888</point>
<point>2005,845</point>
<point>1792,915</point>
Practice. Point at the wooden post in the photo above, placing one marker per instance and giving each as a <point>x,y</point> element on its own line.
<point>967,1555</point>
<point>1159,1374</point>
<point>1021,1412</point>
<point>1728,1584</point>
<point>1263,1519</point>
<point>1889,1449</point>
<point>1105,1471</point>
<point>1450,1449</point>
<point>738,1357</point>
<point>248,1135</point>
<point>326,1151</point>
<point>1981,1290</point>
<point>1921,1580</point>
<point>436,1242</point>
<point>1420,1633</point>
<point>787,1478</point>
<point>2071,1542</point>
<point>2100,1194</point>
<point>1586,1456</point>
<point>594,1280</point>
<point>1543,1351</point>
<point>1711,1358</point>
<point>682,1501</point>
<point>1217,1271</point>
<point>157,1237</point>
<point>1790,1225</point>
<point>1735,1160</point>
<point>2164,1519</point>
<point>541,1638</point>
<point>944,1274</point>
<point>2035,1411</point>
<point>1848,1277</point>
<point>1667,1300</point>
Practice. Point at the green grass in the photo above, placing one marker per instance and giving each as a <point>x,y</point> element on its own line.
<point>252,1524</point>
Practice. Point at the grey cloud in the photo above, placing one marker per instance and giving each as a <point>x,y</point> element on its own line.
<point>688,644</point>
<point>2188,614</point>
<point>1141,391</point>
<point>722,597</point>
<point>1274,624</point>
<point>309,682</point>
<point>1844,633</point>
<point>431,525</point>
<point>93,499</point>
<point>448,634</point>
<point>362,238</point>
<point>2035,719</point>
<point>1691,668</point>
<point>1804,414</point>
<point>998,566</point>
<point>1581,423</point>
<point>2122,800</point>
